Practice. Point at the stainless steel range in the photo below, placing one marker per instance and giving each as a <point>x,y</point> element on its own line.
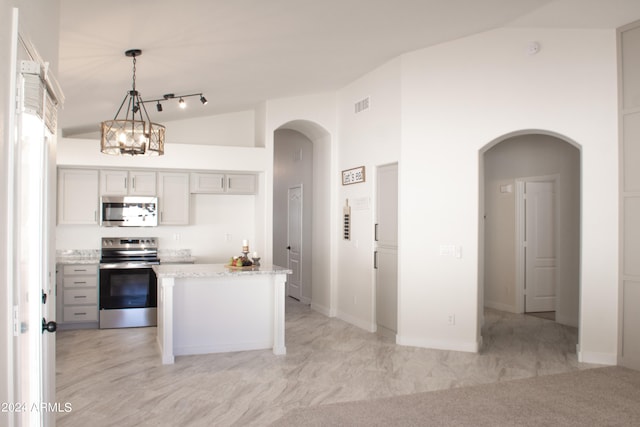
<point>128,287</point>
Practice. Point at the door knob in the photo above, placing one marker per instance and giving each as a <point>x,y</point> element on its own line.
<point>288,248</point>
<point>49,326</point>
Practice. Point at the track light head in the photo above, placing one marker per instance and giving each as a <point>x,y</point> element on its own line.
<point>159,106</point>
<point>182,104</point>
<point>203,99</point>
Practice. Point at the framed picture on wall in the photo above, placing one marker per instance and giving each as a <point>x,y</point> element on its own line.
<point>353,176</point>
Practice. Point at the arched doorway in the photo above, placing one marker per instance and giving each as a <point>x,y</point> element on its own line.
<point>508,165</point>
<point>302,153</point>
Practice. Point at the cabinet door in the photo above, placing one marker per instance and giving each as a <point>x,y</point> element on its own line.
<point>241,184</point>
<point>207,182</point>
<point>173,198</point>
<point>142,183</point>
<point>113,183</point>
<point>77,196</point>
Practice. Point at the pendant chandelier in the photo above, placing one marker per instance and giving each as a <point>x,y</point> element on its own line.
<point>136,134</point>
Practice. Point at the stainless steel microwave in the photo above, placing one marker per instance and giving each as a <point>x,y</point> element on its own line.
<point>129,211</point>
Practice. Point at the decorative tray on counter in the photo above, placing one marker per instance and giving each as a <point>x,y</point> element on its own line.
<point>246,267</point>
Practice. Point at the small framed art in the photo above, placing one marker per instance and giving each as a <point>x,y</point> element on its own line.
<point>353,176</point>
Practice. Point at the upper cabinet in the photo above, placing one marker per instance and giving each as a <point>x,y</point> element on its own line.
<point>232,183</point>
<point>207,182</point>
<point>173,198</point>
<point>78,196</point>
<point>241,183</point>
<point>127,183</point>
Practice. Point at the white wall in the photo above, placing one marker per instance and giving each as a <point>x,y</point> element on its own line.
<point>368,139</point>
<point>456,98</point>
<point>231,129</point>
<point>531,155</point>
<point>315,117</point>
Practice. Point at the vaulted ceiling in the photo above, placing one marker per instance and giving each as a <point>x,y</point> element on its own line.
<point>242,52</point>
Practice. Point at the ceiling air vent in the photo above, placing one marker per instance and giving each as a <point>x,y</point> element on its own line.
<point>362,105</point>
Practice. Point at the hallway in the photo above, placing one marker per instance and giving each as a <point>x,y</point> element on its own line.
<point>114,377</point>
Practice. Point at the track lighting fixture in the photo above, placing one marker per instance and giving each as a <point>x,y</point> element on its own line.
<point>137,135</point>
<point>181,99</point>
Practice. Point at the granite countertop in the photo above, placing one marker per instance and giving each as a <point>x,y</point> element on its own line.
<point>92,256</point>
<point>180,271</point>
<point>78,256</point>
<point>176,256</point>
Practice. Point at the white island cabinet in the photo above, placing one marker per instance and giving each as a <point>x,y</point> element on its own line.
<point>210,308</point>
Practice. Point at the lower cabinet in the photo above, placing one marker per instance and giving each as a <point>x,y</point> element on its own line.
<point>78,296</point>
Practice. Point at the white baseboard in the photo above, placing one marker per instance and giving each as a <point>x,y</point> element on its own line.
<point>222,348</point>
<point>321,309</point>
<point>369,327</point>
<point>597,358</point>
<point>469,347</point>
<point>501,306</point>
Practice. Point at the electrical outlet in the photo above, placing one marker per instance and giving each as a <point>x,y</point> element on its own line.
<point>451,320</point>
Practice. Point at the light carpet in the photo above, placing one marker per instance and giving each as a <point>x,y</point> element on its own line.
<point>594,397</point>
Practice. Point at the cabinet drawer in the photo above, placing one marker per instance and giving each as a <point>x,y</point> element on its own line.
<point>80,313</point>
<point>80,296</point>
<point>79,270</point>
<point>80,281</point>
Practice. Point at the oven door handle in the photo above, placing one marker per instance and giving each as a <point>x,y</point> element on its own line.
<point>127,265</point>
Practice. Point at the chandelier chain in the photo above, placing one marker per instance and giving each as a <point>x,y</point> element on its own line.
<point>134,74</point>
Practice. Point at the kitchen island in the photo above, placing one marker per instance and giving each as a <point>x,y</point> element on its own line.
<point>213,308</point>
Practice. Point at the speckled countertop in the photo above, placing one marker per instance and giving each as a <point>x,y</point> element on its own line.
<point>175,256</point>
<point>179,271</point>
<point>78,256</point>
<point>92,256</point>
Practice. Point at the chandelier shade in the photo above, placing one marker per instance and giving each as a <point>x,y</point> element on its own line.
<point>133,137</point>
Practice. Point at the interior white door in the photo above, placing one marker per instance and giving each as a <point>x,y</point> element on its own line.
<point>31,199</point>
<point>386,256</point>
<point>294,246</point>
<point>540,247</point>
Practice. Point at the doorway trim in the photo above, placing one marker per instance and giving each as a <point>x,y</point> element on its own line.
<point>520,233</point>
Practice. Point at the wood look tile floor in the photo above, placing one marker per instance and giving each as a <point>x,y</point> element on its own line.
<point>114,377</point>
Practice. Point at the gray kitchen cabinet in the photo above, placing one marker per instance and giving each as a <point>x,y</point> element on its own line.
<point>127,183</point>
<point>219,183</point>
<point>207,183</point>
<point>173,198</point>
<point>77,296</point>
<point>241,183</point>
<point>78,198</point>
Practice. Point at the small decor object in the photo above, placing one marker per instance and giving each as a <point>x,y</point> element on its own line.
<point>256,259</point>
<point>243,261</point>
<point>353,176</point>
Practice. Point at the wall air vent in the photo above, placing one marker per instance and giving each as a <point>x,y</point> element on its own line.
<point>362,105</point>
